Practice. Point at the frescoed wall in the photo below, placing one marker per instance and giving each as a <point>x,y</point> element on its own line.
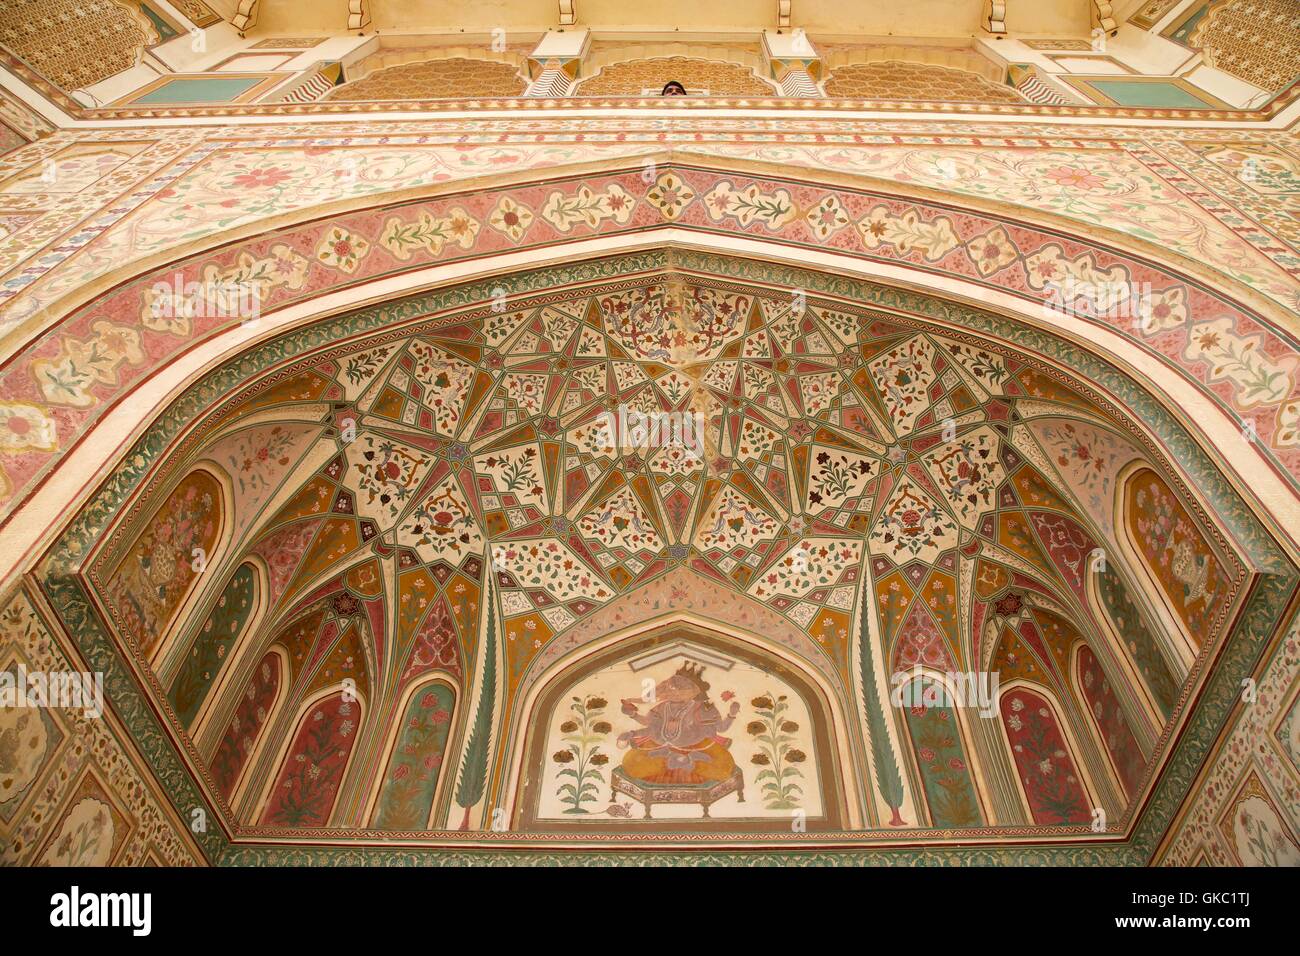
<point>244,731</point>
<point>372,578</point>
<point>74,788</point>
<point>417,762</point>
<point>1175,553</point>
<point>1246,805</point>
<point>307,785</point>
<point>215,640</point>
<point>157,573</point>
<point>681,735</point>
<point>1053,785</point>
<point>1111,721</point>
<point>943,757</point>
<point>430,648</point>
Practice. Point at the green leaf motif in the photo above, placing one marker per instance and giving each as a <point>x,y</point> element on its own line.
<point>474,766</point>
<point>887,778</point>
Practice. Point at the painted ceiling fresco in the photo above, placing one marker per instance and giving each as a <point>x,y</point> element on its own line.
<point>630,548</point>
<point>670,546</point>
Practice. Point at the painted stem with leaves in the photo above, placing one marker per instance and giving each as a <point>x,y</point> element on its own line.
<point>882,754</point>
<point>474,766</point>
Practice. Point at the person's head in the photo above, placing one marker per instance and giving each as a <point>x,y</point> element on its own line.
<point>687,684</point>
<point>673,88</point>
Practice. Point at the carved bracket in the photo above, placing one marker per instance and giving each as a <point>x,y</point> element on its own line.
<point>245,17</point>
<point>1103,17</point>
<point>995,17</point>
<point>358,14</point>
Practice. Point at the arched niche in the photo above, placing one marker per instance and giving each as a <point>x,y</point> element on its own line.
<point>1107,719</point>
<point>606,753</point>
<point>1052,779</point>
<point>244,733</point>
<point>1146,654</point>
<point>204,655</point>
<point>313,762</point>
<point>291,638</point>
<point>943,747</point>
<point>321,653</point>
<point>415,756</point>
<point>504,785</point>
<point>1195,583</point>
<point>158,577</point>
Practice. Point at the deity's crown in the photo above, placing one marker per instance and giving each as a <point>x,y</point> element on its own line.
<point>694,673</point>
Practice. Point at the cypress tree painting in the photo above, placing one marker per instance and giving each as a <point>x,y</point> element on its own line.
<point>474,766</point>
<point>882,755</point>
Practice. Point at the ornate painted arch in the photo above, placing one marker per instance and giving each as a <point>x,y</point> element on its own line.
<point>307,267</point>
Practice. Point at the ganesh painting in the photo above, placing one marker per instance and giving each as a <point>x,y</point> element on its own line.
<point>680,739</point>
<point>693,736</point>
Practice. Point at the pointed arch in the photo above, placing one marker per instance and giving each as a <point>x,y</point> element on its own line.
<point>256,709</point>
<point>414,768</point>
<point>941,744</point>
<point>1138,256</point>
<point>682,636</point>
<point>503,729</point>
<point>322,648</point>
<point>1048,769</point>
<point>314,761</point>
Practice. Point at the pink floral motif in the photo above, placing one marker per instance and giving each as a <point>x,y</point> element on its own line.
<point>1073,177</point>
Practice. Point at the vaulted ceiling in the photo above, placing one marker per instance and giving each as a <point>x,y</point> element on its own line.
<point>424,431</point>
<point>374,590</point>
